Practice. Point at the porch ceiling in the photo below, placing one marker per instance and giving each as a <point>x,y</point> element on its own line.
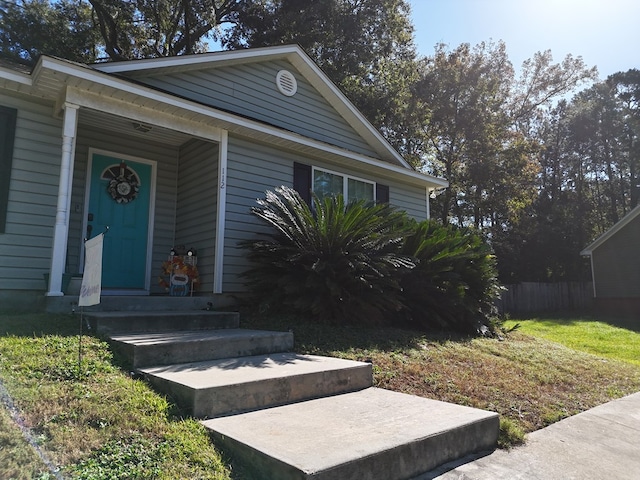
<point>125,126</point>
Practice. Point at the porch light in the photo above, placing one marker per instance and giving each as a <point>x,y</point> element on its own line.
<point>141,127</point>
<point>435,192</point>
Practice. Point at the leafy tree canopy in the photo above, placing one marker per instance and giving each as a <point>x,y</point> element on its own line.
<point>90,30</point>
<point>30,28</point>
<point>364,46</point>
<point>537,176</point>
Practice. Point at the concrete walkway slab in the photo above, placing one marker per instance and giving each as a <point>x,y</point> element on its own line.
<point>601,443</point>
<point>219,387</point>
<point>370,434</point>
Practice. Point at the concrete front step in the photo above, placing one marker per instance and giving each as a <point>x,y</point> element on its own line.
<point>221,387</point>
<point>170,321</point>
<point>165,348</point>
<point>134,303</point>
<point>369,434</point>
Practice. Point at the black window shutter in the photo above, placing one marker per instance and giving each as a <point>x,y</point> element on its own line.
<point>7,133</point>
<point>302,180</point>
<point>382,193</point>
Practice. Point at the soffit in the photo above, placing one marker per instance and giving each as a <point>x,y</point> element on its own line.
<point>125,126</point>
<point>54,78</point>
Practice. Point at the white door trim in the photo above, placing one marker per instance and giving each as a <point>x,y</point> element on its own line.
<point>151,215</point>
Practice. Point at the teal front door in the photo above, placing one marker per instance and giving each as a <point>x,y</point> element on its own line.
<point>119,198</point>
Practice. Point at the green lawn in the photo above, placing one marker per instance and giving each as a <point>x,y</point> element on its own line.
<point>93,423</point>
<point>614,339</point>
<point>529,380</point>
<point>103,424</point>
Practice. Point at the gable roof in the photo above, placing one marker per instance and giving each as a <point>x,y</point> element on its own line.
<point>628,218</point>
<point>98,86</point>
<point>292,53</point>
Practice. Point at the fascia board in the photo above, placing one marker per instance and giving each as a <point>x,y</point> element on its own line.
<point>17,77</point>
<point>294,54</point>
<point>314,74</point>
<point>197,60</point>
<point>611,232</point>
<point>230,120</point>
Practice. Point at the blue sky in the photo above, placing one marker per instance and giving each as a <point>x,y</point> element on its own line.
<point>605,33</point>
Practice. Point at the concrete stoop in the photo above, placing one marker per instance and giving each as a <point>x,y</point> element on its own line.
<point>223,387</point>
<point>167,348</point>
<point>364,435</point>
<point>289,416</point>
<point>131,303</point>
<point>109,323</point>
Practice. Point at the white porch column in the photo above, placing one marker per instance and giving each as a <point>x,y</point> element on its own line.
<point>429,190</point>
<point>222,209</point>
<point>61,228</point>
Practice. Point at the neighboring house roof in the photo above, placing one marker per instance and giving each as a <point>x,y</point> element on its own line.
<point>628,218</point>
<point>119,83</point>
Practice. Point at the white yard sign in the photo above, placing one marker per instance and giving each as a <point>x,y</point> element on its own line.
<point>92,277</point>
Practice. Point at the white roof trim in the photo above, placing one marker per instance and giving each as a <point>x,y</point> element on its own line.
<point>197,59</point>
<point>298,57</point>
<point>611,232</point>
<point>91,75</point>
<point>17,77</point>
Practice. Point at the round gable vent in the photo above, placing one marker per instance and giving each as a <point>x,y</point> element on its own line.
<point>286,83</point>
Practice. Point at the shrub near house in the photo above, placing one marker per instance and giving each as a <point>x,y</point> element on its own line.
<point>339,263</point>
<point>369,263</point>
<point>455,284</point>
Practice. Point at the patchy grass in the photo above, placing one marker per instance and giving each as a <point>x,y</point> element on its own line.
<point>531,382</point>
<point>616,339</point>
<point>101,424</point>
<point>96,422</point>
<point>18,459</point>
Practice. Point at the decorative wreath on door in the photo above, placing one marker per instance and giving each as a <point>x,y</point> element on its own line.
<point>124,184</point>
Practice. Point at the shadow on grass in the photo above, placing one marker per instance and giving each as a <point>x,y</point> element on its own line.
<point>319,338</point>
<point>35,325</point>
<point>310,337</point>
<point>39,324</point>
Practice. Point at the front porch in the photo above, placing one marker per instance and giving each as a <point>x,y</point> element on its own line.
<point>184,206</point>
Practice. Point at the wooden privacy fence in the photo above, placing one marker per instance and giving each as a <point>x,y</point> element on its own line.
<point>528,297</point>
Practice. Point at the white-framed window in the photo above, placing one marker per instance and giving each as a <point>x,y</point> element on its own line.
<point>327,182</point>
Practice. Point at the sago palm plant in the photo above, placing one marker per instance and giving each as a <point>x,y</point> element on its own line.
<point>454,285</point>
<point>338,262</point>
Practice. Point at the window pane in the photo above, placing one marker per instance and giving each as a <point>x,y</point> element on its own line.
<point>358,190</point>
<point>327,184</point>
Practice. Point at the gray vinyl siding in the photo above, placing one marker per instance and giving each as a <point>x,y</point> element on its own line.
<point>250,90</point>
<point>616,264</point>
<point>165,203</point>
<point>253,169</point>
<point>25,247</point>
<point>412,200</point>
<point>197,205</point>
